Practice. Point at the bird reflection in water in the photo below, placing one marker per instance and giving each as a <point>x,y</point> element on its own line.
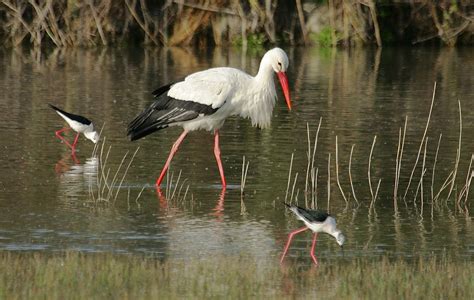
<point>75,178</point>
<point>164,201</point>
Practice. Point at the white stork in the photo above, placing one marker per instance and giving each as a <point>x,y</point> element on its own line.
<point>203,100</point>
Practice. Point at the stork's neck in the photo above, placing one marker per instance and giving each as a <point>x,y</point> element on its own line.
<point>265,73</point>
<point>259,97</point>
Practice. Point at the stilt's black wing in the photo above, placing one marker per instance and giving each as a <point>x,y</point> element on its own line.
<point>164,112</point>
<point>310,215</point>
<point>73,117</point>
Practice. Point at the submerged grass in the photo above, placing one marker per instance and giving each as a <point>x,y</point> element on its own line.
<point>79,275</point>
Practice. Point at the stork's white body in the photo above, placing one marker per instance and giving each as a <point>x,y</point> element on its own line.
<point>232,91</point>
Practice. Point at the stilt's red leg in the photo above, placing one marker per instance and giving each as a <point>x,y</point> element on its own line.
<point>75,142</point>
<point>290,237</point>
<point>217,153</point>
<point>59,136</point>
<point>74,158</point>
<point>312,249</point>
<point>170,157</point>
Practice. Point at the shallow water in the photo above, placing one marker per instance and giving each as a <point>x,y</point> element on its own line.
<point>49,199</point>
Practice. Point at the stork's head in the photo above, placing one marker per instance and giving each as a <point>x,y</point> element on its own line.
<point>278,59</point>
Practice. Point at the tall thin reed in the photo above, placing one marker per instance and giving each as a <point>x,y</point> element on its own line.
<point>314,179</point>
<point>445,184</point>
<point>176,185</point>
<point>458,153</point>
<point>337,172</point>
<point>422,141</point>
<point>311,159</point>
<point>398,167</point>
<point>125,173</point>
<point>369,169</point>
<point>293,189</point>
<point>314,188</point>
<point>289,177</point>
<point>350,174</point>
<point>329,180</point>
<point>243,179</point>
<point>308,154</point>
<point>434,167</point>
<point>422,176</point>
<point>465,189</point>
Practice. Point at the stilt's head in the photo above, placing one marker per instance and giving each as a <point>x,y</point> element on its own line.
<point>92,135</point>
<point>340,238</point>
<point>330,227</point>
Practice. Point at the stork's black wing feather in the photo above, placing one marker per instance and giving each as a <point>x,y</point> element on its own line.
<point>164,112</point>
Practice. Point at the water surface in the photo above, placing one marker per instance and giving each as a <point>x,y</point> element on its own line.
<point>46,202</point>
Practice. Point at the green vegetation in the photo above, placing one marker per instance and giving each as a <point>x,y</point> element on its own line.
<point>255,42</point>
<point>77,275</point>
<point>323,38</point>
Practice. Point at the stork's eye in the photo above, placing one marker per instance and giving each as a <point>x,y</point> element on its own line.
<point>279,63</point>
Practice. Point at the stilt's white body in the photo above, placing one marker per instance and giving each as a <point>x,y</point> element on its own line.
<point>76,126</point>
<point>317,221</point>
<point>327,226</point>
<point>86,129</point>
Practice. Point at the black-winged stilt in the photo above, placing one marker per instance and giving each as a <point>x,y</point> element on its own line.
<point>77,123</point>
<point>204,100</point>
<point>317,221</point>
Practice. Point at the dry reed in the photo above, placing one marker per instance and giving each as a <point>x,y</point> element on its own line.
<point>422,141</point>
<point>373,195</point>
<point>420,189</point>
<point>434,167</point>
<point>350,174</point>
<point>337,173</point>
<point>289,177</point>
<point>458,153</point>
<point>109,188</point>
<point>243,178</point>
<point>329,180</point>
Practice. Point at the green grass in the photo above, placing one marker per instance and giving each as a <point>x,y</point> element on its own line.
<point>323,38</point>
<point>80,276</point>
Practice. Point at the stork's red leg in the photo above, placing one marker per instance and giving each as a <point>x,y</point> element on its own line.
<point>217,153</point>
<point>290,237</point>
<point>170,157</point>
<point>313,246</point>
<point>59,136</point>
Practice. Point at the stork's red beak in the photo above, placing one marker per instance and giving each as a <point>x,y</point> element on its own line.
<point>284,85</point>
